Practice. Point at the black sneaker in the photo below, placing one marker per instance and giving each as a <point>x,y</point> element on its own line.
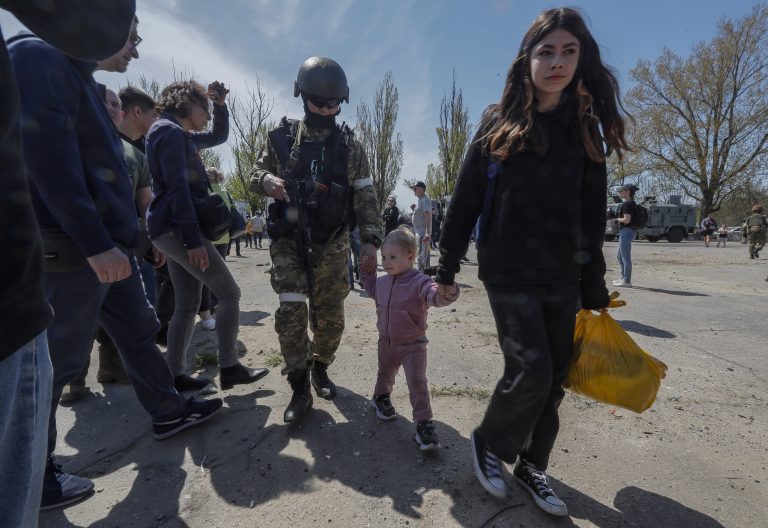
<point>384,408</point>
<point>426,436</point>
<point>536,483</point>
<point>487,467</point>
<point>185,382</point>
<point>196,413</point>
<point>61,489</point>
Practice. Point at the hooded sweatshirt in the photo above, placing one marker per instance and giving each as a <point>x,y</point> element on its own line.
<point>402,302</point>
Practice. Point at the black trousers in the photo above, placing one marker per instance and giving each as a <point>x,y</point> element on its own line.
<point>535,327</point>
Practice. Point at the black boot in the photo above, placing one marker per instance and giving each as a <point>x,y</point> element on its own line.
<point>240,375</point>
<point>301,401</point>
<point>324,387</point>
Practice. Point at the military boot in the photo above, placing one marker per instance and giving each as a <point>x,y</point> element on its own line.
<point>76,389</point>
<point>301,401</point>
<point>324,387</point>
<point>111,368</point>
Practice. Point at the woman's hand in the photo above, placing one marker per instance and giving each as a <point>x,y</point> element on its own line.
<point>217,92</point>
<point>198,257</point>
<point>448,292</point>
<point>275,187</point>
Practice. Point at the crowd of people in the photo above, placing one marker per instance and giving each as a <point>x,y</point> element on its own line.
<point>119,227</point>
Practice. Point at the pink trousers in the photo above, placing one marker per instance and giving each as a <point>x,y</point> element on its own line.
<point>413,358</point>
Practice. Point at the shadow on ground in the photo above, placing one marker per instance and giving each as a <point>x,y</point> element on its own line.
<point>633,507</point>
<point>646,330</point>
<point>253,318</point>
<point>671,292</point>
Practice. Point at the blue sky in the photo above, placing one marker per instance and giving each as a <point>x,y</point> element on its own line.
<point>420,41</point>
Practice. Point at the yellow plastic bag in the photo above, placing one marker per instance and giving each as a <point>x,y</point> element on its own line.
<point>610,367</point>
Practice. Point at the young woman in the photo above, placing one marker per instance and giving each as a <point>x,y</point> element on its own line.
<point>178,174</point>
<point>542,139</point>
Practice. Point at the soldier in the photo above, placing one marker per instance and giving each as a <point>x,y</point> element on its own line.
<point>318,164</point>
<point>756,224</point>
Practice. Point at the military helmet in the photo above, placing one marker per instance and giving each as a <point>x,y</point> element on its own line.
<point>322,77</point>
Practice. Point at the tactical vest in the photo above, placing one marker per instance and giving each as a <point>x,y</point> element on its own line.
<point>325,164</point>
<point>756,223</point>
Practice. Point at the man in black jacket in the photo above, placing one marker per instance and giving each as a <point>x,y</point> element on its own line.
<point>89,222</point>
<point>91,29</point>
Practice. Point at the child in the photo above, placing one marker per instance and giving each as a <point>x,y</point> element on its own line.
<point>557,121</point>
<point>402,298</point>
<point>722,235</point>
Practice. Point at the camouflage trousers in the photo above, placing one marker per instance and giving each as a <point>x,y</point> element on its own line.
<point>289,281</point>
<point>756,242</point>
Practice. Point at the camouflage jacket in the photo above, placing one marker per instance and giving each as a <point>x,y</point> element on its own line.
<point>364,203</point>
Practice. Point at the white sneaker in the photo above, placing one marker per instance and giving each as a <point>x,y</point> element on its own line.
<point>209,324</point>
<point>623,283</point>
<point>617,282</point>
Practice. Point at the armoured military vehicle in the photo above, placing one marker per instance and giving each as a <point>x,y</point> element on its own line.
<point>673,221</point>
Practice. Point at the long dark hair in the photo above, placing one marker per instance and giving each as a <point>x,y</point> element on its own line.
<point>510,124</point>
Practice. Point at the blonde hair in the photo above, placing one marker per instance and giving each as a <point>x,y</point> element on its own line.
<point>404,239</point>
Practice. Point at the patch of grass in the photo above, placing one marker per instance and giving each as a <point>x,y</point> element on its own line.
<point>275,359</point>
<point>490,334</point>
<point>205,359</point>
<point>473,393</point>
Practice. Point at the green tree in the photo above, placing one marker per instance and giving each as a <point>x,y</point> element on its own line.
<point>376,131</point>
<point>453,136</point>
<point>702,120</point>
<point>435,180</point>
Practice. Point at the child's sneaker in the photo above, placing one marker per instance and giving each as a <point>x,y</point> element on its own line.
<point>536,483</point>
<point>426,436</point>
<point>384,408</point>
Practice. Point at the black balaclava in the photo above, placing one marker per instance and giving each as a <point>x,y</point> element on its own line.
<point>313,120</point>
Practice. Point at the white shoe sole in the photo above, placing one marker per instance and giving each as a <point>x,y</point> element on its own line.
<point>499,493</point>
<point>184,426</point>
<point>426,447</point>
<point>543,505</point>
<point>381,416</point>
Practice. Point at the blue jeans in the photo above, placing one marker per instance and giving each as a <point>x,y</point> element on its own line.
<point>624,256</point>
<point>25,377</point>
<point>80,302</point>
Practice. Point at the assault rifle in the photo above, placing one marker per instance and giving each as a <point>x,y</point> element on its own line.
<point>301,191</point>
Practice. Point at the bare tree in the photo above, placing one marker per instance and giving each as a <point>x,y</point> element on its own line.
<point>702,121</point>
<point>376,131</point>
<point>250,125</point>
<point>453,136</point>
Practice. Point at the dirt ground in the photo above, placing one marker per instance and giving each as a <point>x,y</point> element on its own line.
<point>696,459</point>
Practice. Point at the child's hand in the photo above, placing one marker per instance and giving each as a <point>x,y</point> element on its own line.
<point>368,255</point>
<point>449,293</point>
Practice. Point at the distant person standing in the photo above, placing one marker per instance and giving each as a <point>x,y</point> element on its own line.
<point>258,228</point>
<point>757,224</point>
<point>708,228</point>
<point>422,223</point>
<point>626,234</point>
<point>391,215</point>
<point>722,235</point>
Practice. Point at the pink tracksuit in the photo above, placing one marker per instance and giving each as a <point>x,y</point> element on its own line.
<point>402,302</point>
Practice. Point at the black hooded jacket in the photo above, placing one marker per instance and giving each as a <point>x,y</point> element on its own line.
<point>547,222</point>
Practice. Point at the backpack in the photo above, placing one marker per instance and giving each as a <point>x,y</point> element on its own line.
<point>639,217</point>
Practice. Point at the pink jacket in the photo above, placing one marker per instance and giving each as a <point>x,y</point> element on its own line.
<point>402,303</point>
